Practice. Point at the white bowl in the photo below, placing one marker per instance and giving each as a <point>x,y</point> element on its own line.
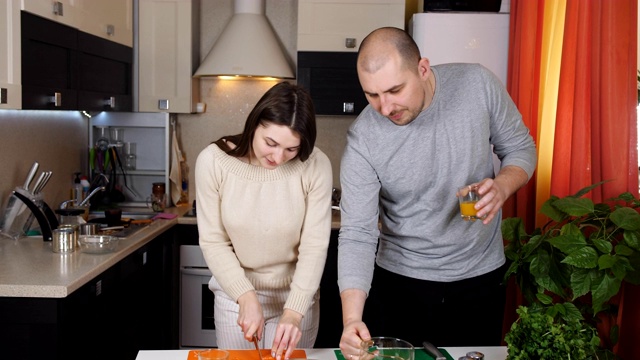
<point>98,244</point>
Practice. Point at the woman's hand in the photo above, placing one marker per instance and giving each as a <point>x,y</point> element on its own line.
<point>250,317</point>
<point>287,334</point>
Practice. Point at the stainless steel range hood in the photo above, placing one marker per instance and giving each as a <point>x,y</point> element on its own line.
<point>247,47</point>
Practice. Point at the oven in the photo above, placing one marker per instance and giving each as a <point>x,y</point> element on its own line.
<point>197,329</point>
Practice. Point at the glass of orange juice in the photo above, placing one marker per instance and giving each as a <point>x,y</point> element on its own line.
<point>468,197</point>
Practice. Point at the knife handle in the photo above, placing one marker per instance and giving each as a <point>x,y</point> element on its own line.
<point>30,176</point>
<point>433,351</point>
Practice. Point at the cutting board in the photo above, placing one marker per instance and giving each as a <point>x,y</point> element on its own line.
<point>420,354</point>
<point>251,354</point>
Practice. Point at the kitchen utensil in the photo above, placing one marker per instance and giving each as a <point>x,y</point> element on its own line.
<point>255,342</point>
<point>14,215</point>
<point>38,184</point>
<point>64,240</point>
<point>98,244</point>
<point>32,173</point>
<point>89,228</point>
<point>433,351</point>
<point>387,348</point>
<point>213,354</point>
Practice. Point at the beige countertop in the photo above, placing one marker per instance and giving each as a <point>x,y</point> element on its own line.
<point>29,268</point>
<point>335,220</point>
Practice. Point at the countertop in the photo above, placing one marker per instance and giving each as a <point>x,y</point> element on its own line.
<point>490,353</point>
<point>335,220</point>
<point>29,268</point>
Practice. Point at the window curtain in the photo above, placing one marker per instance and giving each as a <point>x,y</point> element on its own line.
<point>572,74</point>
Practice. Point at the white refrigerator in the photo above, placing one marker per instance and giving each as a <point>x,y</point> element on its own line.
<point>470,37</point>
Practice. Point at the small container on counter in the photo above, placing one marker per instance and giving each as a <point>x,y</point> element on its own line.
<point>64,239</point>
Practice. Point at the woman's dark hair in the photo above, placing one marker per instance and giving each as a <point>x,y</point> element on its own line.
<point>284,104</point>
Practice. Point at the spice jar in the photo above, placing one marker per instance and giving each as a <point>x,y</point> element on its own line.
<point>158,188</point>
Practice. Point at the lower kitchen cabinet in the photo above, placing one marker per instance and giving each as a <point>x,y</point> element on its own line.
<point>125,309</point>
<point>330,329</point>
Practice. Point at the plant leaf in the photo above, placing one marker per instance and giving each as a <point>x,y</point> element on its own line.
<point>626,196</point>
<point>513,229</point>
<point>571,312</point>
<point>606,261</point>
<point>626,218</point>
<point>544,298</point>
<point>603,291</point>
<point>568,243</point>
<point>541,269</point>
<point>632,239</point>
<point>551,211</point>
<point>602,245</point>
<point>624,250</point>
<point>585,190</point>
<point>585,258</point>
<point>620,267</point>
<point>580,282</point>
<point>574,206</point>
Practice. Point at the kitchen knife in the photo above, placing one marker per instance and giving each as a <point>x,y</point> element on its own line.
<point>255,342</point>
<point>433,351</point>
<point>30,176</point>
<point>38,183</point>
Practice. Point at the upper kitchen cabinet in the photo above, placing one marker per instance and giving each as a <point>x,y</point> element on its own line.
<point>329,36</point>
<point>67,69</point>
<point>168,54</point>
<point>63,11</point>
<point>333,25</point>
<point>10,92</point>
<point>108,19</point>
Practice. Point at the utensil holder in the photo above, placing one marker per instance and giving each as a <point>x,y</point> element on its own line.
<point>16,215</point>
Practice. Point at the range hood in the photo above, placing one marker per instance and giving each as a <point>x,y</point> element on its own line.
<point>247,47</point>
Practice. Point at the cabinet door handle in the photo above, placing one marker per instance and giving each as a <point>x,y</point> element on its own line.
<point>111,30</point>
<point>110,102</point>
<point>58,8</point>
<point>56,99</point>
<point>3,96</point>
<point>350,43</point>
<point>163,104</point>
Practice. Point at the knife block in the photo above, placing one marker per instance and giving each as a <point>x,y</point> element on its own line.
<point>44,215</point>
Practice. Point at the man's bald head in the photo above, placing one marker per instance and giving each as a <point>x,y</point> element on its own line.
<point>383,43</point>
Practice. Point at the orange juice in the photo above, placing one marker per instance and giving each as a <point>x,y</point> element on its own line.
<point>467,209</point>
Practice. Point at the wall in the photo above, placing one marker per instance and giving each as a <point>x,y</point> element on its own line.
<point>57,140</point>
<point>230,101</point>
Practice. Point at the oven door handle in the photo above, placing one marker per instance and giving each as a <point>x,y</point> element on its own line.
<point>195,271</point>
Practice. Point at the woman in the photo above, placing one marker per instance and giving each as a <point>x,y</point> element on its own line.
<point>264,218</point>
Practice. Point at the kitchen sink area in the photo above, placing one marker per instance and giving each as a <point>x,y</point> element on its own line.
<point>131,222</point>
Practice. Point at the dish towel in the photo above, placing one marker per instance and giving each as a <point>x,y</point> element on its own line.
<point>175,174</point>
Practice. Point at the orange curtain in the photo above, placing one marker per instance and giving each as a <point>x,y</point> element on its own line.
<point>572,74</point>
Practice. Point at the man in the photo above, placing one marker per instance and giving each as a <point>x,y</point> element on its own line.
<point>426,132</point>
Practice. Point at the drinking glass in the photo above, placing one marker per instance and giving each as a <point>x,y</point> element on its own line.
<point>468,197</point>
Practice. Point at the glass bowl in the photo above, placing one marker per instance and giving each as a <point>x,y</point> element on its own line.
<point>98,244</point>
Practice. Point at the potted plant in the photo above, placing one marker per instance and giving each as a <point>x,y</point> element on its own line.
<point>570,271</point>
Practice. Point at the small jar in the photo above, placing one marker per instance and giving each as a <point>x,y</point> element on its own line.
<point>475,355</point>
<point>70,216</point>
<point>158,188</point>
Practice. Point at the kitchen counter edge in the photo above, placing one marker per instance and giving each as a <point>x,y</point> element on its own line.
<point>29,269</point>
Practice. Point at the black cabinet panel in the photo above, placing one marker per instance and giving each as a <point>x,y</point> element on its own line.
<point>332,80</point>
<point>49,58</point>
<point>121,311</point>
<point>89,73</point>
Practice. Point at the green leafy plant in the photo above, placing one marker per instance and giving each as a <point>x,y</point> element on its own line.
<point>580,257</point>
<point>538,335</point>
